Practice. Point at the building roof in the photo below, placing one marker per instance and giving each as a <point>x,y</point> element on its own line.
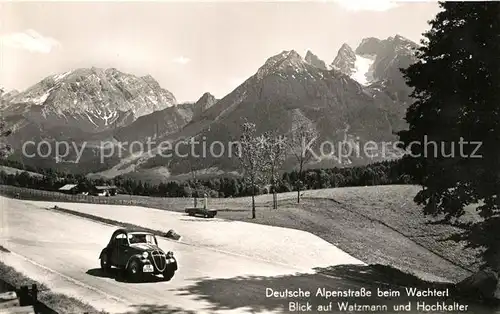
<point>105,187</point>
<point>67,187</point>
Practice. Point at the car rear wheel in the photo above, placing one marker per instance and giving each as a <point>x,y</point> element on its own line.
<point>105,266</point>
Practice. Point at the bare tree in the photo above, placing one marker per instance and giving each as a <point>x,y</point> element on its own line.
<point>302,138</point>
<point>252,151</point>
<point>5,149</point>
<point>276,152</point>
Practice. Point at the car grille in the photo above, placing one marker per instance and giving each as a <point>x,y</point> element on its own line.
<point>159,260</point>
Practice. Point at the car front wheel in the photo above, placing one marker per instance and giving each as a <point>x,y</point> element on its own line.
<point>133,271</point>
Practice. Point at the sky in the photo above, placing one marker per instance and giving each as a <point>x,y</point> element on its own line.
<point>189,47</point>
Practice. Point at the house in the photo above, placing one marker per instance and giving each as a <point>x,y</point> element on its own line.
<point>69,189</point>
<point>104,190</point>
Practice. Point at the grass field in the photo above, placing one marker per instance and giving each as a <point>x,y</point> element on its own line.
<point>377,224</point>
<point>369,223</point>
<point>60,303</point>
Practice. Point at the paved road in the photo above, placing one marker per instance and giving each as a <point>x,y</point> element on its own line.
<point>208,281</point>
<point>299,249</point>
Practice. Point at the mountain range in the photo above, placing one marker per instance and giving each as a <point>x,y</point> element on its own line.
<point>360,96</point>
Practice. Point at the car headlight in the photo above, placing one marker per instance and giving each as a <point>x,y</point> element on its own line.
<point>145,255</point>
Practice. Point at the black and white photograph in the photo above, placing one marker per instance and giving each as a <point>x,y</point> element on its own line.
<point>227,157</point>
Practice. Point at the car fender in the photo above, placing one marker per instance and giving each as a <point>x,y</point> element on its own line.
<point>175,264</point>
<point>136,257</point>
<point>104,251</point>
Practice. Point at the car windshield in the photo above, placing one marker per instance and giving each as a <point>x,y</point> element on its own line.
<point>141,238</point>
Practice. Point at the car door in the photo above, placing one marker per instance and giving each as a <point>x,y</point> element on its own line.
<point>125,252</point>
<point>120,250</point>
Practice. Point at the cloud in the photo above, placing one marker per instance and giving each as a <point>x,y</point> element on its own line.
<point>181,60</point>
<point>29,40</point>
<point>367,5</point>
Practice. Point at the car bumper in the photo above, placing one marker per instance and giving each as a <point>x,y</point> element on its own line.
<point>147,266</point>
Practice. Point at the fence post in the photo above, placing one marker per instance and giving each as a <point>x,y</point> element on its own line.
<point>24,296</point>
<point>34,293</point>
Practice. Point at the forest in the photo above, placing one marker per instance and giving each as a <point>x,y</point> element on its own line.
<point>387,172</point>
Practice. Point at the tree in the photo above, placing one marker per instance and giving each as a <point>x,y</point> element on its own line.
<point>457,108</point>
<point>5,149</point>
<point>302,138</point>
<point>275,155</point>
<point>251,154</point>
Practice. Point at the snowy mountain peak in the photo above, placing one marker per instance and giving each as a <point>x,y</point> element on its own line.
<point>345,59</point>
<point>4,94</point>
<point>206,101</point>
<point>400,38</point>
<point>148,77</point>
<point>95,96</point>
<point>345,47</point>
<point>293,54</point>
<point>374,46</point>
<point>285,55</point>
<point>369,46</point>
<point>375,59</point>
<point>313,60</point>
<point>285,59</point>
<point>206,95</point>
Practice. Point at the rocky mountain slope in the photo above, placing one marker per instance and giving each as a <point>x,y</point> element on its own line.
<point>6,96</point>
<point>377,62</point>
<point>81,106</point>
<point>163,123</point>
<point>345,61</point>
<point>389,55</point>
<point>313,59</point>
<point>360,97</point>
<point>283,92</point>
<point>156,125</point>
<point>206,101</point>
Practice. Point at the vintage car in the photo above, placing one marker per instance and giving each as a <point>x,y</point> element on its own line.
<point>137,253</point>
<point>207,213</point>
